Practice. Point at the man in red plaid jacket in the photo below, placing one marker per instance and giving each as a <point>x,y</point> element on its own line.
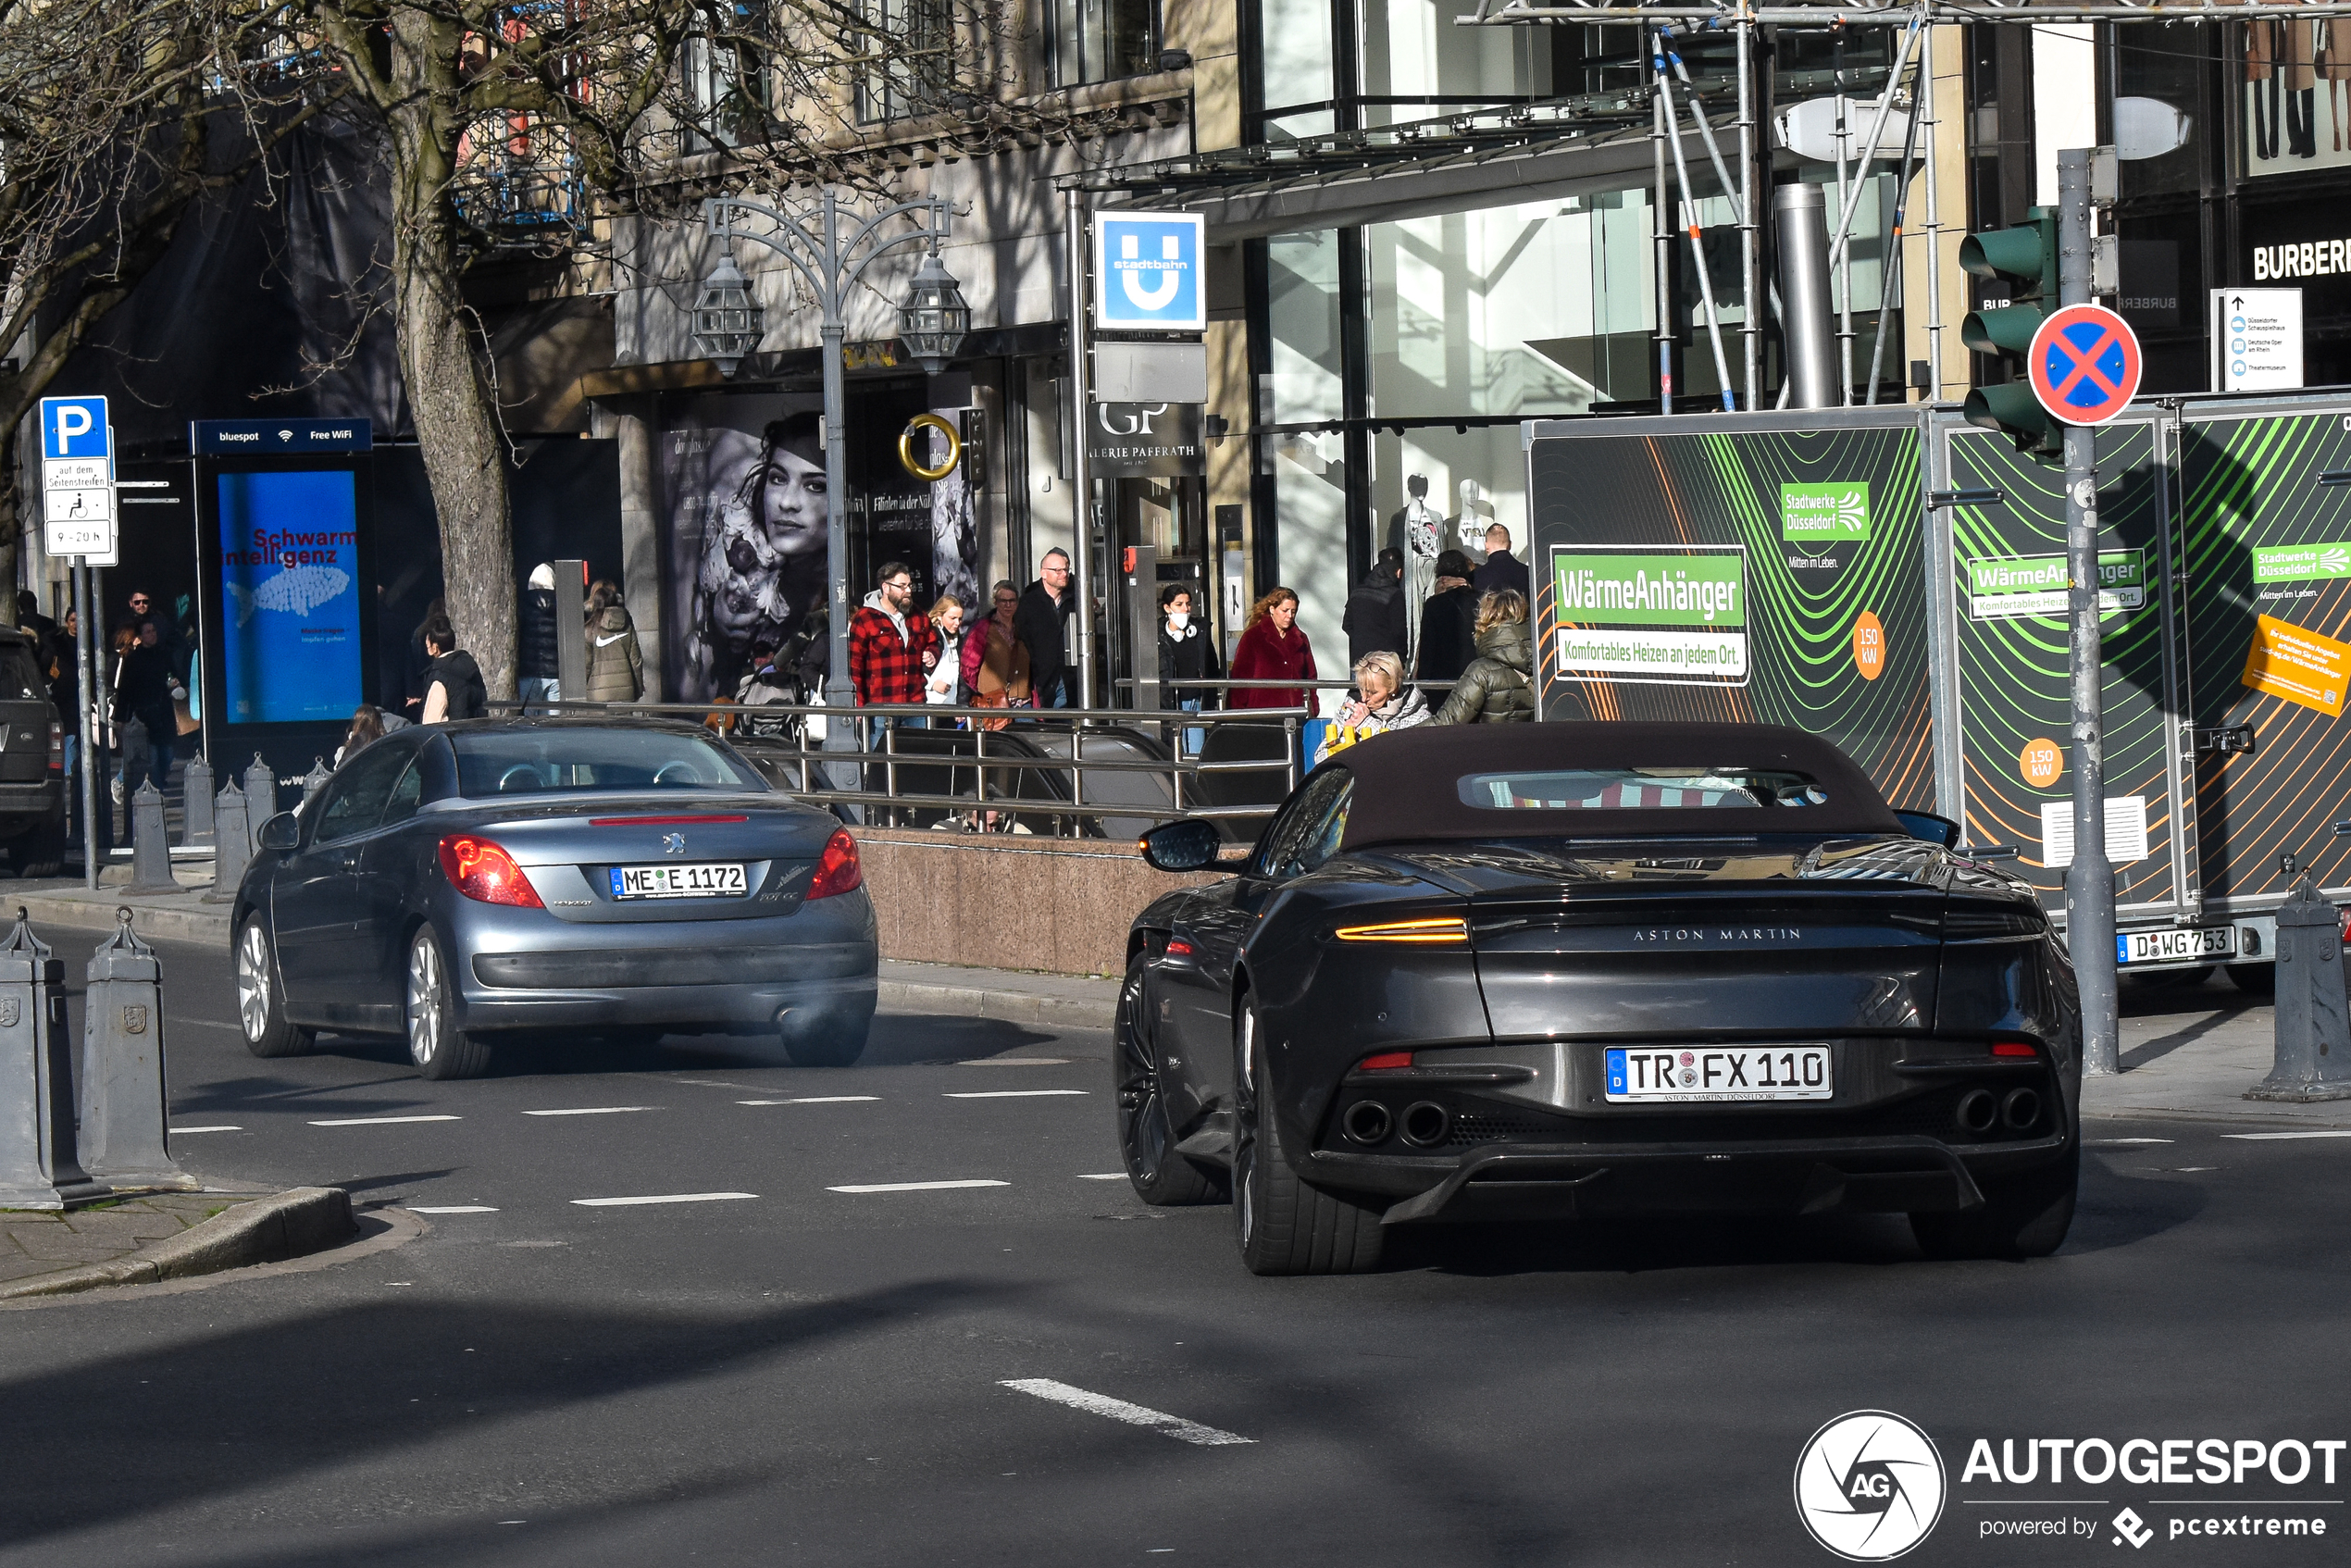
<point>891,644</point>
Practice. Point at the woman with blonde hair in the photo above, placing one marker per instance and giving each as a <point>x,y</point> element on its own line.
<point>1499,686</point>
<point>944,684</point>
<point>1273,647</point>
<point>1385,702</point>
<point>995,661</point>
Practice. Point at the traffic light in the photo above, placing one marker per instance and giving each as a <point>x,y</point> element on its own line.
<point>2026,258</point>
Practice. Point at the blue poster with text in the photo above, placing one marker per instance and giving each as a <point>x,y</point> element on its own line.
<point>290,596</point>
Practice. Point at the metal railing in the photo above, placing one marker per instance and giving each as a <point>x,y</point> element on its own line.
<point>1000,783</point>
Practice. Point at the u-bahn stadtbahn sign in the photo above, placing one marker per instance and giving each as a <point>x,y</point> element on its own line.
<point>2084,365</point>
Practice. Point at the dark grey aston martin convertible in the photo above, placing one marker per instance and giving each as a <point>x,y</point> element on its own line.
<point>1565,970</point>
<point>455,882</point>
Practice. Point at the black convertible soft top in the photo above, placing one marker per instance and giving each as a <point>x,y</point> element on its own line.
<point>1409,783</point>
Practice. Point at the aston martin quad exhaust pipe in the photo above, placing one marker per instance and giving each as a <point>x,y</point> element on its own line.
<point>2021,1109</point>
<point>1979,1113</point>
<point>1366,1121</point>
<point>1427,1124</point>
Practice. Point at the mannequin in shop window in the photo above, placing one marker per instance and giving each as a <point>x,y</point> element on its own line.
<point>1416,533</point>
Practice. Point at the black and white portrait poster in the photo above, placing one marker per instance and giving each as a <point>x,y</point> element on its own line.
<point>743,484</point>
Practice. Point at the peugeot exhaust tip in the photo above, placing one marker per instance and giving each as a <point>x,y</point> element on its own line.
<point>2021,1109</point>
<point>1979,1113</point>
<point>1426,1123</point>
<point>1366,1121</point>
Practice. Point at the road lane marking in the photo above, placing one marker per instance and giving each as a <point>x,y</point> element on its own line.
<point>1119,1410</point>
<point>592,1111</point>
<point>381,1121</point>
<point>1012,1093</point>
<point>661,1197</point>
<point>1106,1175</point>
<point>1017,1061</point>
<point>817,1100</point>
<point>2119,1142</point>
<point>177,1131</point>
<point>451,1209</point>
<point>208,1024</point>
<point>914,1185</point>
<point>2265,1137</point>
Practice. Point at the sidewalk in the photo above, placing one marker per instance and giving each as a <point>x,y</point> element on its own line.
<point>35,1244</point>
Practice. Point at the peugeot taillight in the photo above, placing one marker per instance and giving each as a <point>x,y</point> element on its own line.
<point>485,872</point>
<point>836,870</point>
<point>57,747</point>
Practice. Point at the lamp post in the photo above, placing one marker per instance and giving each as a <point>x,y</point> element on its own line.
<point>831,250</point>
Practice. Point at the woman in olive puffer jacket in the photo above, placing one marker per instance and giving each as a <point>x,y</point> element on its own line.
<point>616,665</point>
<point>1499,686</point>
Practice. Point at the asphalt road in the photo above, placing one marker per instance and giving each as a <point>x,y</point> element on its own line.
<point>800,1374</point>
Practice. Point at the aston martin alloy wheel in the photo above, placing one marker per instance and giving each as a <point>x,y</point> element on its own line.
<point>1284,1225</point>
<point>436,1045</point>
<point>261,1002</point>
<point>1160,1176</point>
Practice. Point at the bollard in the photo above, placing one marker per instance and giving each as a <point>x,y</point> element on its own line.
<point>38,1169</point>
<point>150,843</point>
<point>316,779</point>
<point>261,799</point>
<point>195,789</point>
<point>123,1141</point>
<point>2314,1035</point>
<point>233,850</point>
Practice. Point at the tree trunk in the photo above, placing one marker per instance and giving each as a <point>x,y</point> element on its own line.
<point>442,358</point>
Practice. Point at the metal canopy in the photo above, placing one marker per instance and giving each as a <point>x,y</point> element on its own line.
<point>1827,13</point>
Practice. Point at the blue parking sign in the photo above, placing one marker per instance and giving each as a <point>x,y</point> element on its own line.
<point>1147,272</point>
<point>74,426</point>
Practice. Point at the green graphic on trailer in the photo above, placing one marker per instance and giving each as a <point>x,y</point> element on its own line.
<point>2254,509</point>
<point>1614,489</point>
<point>2014,600</point>
<point>1650,616</point>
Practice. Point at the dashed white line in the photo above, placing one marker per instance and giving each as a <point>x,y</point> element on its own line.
<point>592,1111</point>
<point>2122,1142</point>
<point>2266,1137</point>
<point>381,1121</point>
<point>817,1100</point>
<point>177,1131</point>
<point>1012,1093</point>
<point>1158,1421</point>
<point>914,1185</point>
<point>661,1197</point>
<point>451,1209</point>
<point>1017,1061</point>
<point>1105,1175</point>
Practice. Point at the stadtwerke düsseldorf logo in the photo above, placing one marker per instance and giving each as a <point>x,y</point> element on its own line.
<point>1869,1485</point>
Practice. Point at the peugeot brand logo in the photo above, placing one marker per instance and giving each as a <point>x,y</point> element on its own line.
<point>1869,1485</point>
<point>673,843</point>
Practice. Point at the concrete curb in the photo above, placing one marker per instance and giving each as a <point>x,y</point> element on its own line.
<point>268,1231</point>
<point>95,912</point>
<point>981,1001</point>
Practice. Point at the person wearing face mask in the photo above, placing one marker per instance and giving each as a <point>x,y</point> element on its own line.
<point>1186,652</point>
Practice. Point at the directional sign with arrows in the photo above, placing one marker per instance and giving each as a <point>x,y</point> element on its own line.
<point>2084,365</point>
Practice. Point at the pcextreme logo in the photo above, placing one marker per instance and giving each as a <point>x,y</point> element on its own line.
<point>1869,1485</point>
<point>1813,513</point>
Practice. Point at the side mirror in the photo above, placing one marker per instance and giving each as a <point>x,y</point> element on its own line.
<point>1932,828</point>
<point>282,832</point>
<point>1186,845</point>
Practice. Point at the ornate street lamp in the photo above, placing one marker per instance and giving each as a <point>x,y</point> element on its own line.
<point>933,321</point>
<point>729,322</point>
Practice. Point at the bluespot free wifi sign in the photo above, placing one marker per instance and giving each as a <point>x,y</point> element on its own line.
<point>1147,272</point>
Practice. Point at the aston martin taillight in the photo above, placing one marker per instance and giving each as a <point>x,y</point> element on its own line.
<point>484,872</point>
<point>2012,1048</point>
<point>1450,930</point>
<point>836,870</point>
<point>1386,1061</point>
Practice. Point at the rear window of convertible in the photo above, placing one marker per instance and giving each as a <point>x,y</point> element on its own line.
<point>1639,789</point>
<point>526,761</point>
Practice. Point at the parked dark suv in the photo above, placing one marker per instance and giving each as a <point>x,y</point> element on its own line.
<point>32,795</point>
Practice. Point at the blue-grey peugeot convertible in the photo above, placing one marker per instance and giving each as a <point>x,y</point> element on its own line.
<point>456,882</point>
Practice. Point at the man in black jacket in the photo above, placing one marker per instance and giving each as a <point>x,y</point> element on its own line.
<point>452,681</point>
<point>537,648</point>
<point>1375,621</point>
<point>1448,622</point>
<point>1502,569</point>
<point>1041,624</point>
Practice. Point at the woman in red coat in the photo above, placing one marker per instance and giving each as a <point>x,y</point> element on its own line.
<point>1273,648</point>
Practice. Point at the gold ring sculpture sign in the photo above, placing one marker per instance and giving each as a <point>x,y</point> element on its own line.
<point>906,447</point>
